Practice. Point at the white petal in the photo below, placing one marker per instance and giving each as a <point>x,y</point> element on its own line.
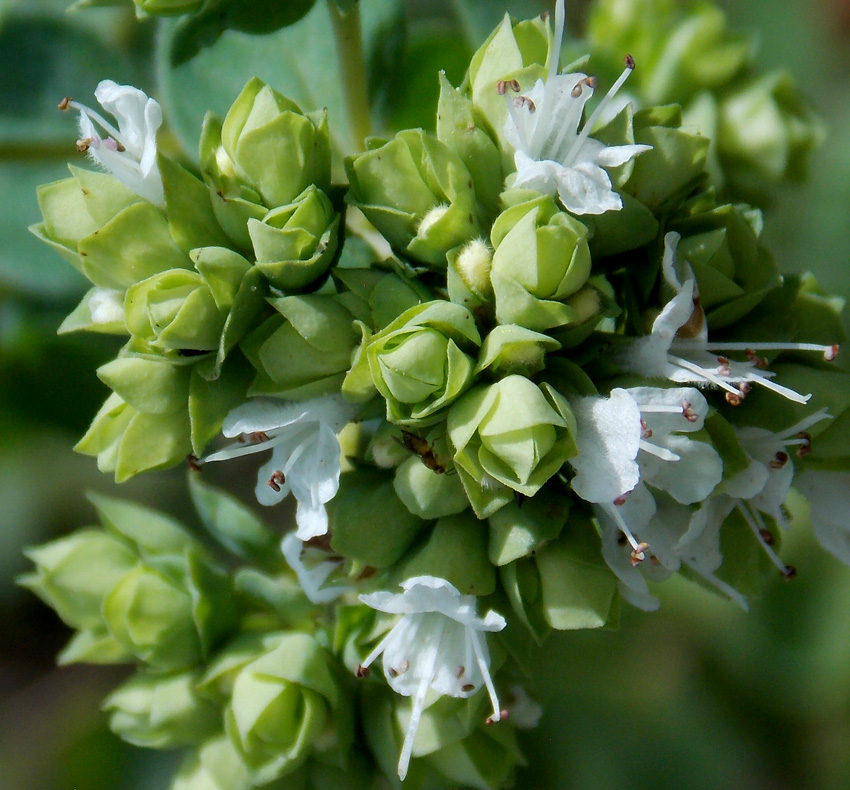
<point>608,439</point>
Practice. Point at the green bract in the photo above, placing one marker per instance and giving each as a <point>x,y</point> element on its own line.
<point>161,711</point>
<point>296,243</point>
<point>284,705</point>
<point>418,362</point>
<point>541,258</point>
<point>733,269</point>
<point>305,350</point>
<point>158,413</point>
<point>139,589</point>
<point>263,155</point>
<point>509,437</point>
<point>417,192</point>
<point>106,231</point>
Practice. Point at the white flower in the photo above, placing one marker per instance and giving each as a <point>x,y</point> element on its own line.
<point>106,306</point>
<point>305,452</point>
<point>636,435</point>
<point>435,645</point>
<point>761,488</point>
<point>551,154</point>
<point>313,574</point>
<point>678,349</point>
<point>128,152</point>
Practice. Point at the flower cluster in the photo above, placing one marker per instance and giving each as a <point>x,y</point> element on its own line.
<point>574,371</point>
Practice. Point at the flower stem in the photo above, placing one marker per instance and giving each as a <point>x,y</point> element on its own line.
<point>345,18</point>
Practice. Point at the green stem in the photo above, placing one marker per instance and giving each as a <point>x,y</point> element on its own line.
<point>345,18</point>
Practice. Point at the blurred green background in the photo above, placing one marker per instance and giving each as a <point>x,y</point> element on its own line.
<point>699,695</point>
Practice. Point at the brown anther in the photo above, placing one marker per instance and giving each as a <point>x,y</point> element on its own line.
<point>804,449</point>
<point>361,672</point>
<point>638,555</point>
<point>645,430</point>
<point>688,411</point>
<point>277,479</point>
<point>831,353</point>
<point>755,359</point>
<point>460,672</point>
<point>779,460</point>
<point>491,720</point>
<point>467,687</point>
<point>64,104</point>
<point>83,145</point>
<point>524,101</point>
<point>724,367</point>
<point>120,148</point>
<point>789,572</point>
<point>744,388</point>
<point>620,500</point>
<point>393,673</point>
<point>503,86</point>
<point>630,62</point>
<point>767,537</point>
<point>194,463</point>
<point>590,82</point>
<point>576,91</point>
<point>254,438</point>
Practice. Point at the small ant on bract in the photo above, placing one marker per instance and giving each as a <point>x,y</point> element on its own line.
<point>419,446</point>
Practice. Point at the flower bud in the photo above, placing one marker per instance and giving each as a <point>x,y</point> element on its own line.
<point>461,127</point>
<point>417,192</point>
<point>287,704</point>
<point>174,310</point>
<point>510,349</point>
<point>159,412</point>
<point>105,230</point>
<point>161,711</point>
<point>766,132</point>
<point>499,448</point>
<point>418,364</point>
<point>680,49</point>
<point>73,574</point>
<point>733,270</point>
<point>541,258</point>
<point>216,765</point>
<point>304,351</point>
<point>468,275</point>
<point>263,155</point>
<point>296,243</point>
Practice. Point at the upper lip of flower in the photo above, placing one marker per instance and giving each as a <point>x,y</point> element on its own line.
<point>128,152</point>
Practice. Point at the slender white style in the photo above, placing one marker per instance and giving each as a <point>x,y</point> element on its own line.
<point>128,152</point>
<point>551,153</point>
<point>437,644</point>
<point>305,452</point>
<point>678,349</point>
